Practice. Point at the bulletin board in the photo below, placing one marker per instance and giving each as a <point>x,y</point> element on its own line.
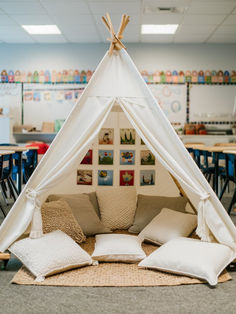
<point>10,98</point>
<point>172,99</point>
<point>212,103</point>
<point>47,103</point>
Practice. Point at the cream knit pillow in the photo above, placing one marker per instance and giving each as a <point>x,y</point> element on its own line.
<point>117,207</point>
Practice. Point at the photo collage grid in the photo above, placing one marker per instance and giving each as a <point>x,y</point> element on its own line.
<point>105,158</point>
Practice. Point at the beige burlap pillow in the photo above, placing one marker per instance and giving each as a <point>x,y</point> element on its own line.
<point>57,215</point>
<point>117,207</point>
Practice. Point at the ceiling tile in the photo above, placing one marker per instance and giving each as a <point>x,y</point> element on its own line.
<point>190,38</point>
<point>211,7</point>
<point>226,29</point>
<point>157,38</point>
<point>230,20</point>
<point>116,19</point>
<point>54,39</point>
<point>82,19</point>
<point>83,38</point>
<point>5,20</point>
<point>68,28</point>
<point>222,38</point>
<point>32,19</point>
<point>22,7</point>
<point>115,7</point>
<point>14,34</point>
<point>195,29</point>
<point>166,3</point>
<point>162,18</point>
<point>67,7</point>
<point>190,19</point>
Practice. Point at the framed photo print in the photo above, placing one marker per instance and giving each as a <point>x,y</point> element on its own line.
<point>105,157</point>
<point>147,177</point>
<point>106,137</point>
<point>127,136</point>
<point>84,177</point>
<point>105,177</point>
<point>127,157</point>
<point>147,158</point>
<point>126,177</point>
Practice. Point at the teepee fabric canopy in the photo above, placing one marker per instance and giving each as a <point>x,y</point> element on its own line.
<point>116,82</point>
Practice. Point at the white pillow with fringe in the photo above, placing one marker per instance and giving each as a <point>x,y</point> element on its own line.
<point>53,253</point>
<point>118,248</point>
<point>191,257</point>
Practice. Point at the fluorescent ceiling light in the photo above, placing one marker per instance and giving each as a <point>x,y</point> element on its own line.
<point>159,28</point>
<point>41,29</point>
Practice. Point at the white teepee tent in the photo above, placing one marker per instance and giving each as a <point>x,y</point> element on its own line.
<point>116,81</point>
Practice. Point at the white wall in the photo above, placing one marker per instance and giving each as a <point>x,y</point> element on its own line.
<point>146,56</point>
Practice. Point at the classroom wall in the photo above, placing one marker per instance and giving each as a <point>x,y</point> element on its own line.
<point>146,56</point>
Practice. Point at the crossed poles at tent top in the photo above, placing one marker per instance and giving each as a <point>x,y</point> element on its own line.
<point>115,39</point>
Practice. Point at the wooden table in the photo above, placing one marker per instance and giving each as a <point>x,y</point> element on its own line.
<point>5,258</point>
<point>19,150</point>
<point>216,150</point>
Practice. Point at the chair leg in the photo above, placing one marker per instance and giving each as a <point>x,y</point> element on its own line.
<point>223,189</point>
<point>4,192</point>
<point>13,185</point>
<point>11,189</point>
<point>232,202</point>
<point>2,210</point>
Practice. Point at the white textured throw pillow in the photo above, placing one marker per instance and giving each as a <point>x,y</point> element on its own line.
<point>192,258</point>
<point>53,253</point>
<point>167,225</point>
<point>117,206</point>
<point>118,248</point>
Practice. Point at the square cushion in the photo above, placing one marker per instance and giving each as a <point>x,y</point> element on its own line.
<point>53,253</point>
<point>167,225</point>
<point>58,215</point>
<point>150,206</point>
<point>118,248</point>
<point>117,207</point>
<point>192,258</point>
<point>92,197</point>
<point>84,213</point>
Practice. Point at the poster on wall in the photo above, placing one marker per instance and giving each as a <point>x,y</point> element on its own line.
<point>127,157</point>
<point>172,99</point>
<point>147,158</point>
<point>88,158</point>
<point>106,136</point>
<point>147,177</point>
<point>105,157</point>
<point>105,177</point>
<point>84,177</point>
<point>127,136</point>
<point>126,177</point>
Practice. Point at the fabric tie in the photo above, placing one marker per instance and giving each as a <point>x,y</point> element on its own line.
<point>36,224</point>
<point>203,230</point>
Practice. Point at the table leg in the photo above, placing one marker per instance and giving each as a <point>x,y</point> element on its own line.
<point>216,172</point>
<point>20,172</point>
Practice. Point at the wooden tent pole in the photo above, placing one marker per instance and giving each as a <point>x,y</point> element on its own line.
<point>115,39</point>
<point>182,192</point>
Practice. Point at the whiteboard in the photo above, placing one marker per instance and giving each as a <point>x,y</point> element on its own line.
<point>172,99</point>
<point>47,103</point>
<point>211,102</point>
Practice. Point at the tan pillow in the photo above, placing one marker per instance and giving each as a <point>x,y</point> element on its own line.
<point>92,198</point>
<point>58,215</point>
<point>84,213</point>
<point>150,206</point>
<point>117,207</point>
